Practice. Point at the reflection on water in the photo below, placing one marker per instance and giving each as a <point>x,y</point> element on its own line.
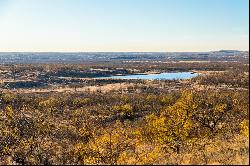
<point>161,76</point>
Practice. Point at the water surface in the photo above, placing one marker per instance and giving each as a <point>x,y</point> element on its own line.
<point>161,76</point>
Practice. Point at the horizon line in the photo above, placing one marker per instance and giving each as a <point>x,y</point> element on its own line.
<point>118,51</point>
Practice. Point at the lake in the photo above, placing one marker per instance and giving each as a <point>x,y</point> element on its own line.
<point>161,76</point>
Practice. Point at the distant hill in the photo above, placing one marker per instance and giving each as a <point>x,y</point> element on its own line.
<point>228,51</point>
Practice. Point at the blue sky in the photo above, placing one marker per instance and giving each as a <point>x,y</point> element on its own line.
<point>123,25</point>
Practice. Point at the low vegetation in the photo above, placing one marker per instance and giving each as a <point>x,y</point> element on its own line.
<point>204,121</point>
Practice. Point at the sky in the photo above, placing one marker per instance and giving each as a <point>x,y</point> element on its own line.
<point>123,25</point>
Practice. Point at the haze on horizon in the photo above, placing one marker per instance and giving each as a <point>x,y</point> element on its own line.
<point>123,25</point>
